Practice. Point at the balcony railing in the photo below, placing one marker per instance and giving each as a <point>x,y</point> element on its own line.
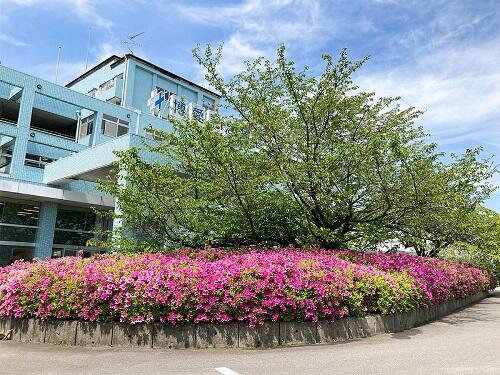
<point>71,138</point>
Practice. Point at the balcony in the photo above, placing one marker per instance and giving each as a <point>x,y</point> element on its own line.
<point>53,124</point>
<point>111,91</point>
<point>88,165</point>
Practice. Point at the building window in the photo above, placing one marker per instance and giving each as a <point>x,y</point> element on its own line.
<point>18,221</point>
<point>114,127</point>
<point>37,161</point>
<point>155,135</point>
<point>93,92</point>
<point>19,213</point>
<point>110,83</point>
<point>75,220</point>
<point>9,254</point>
<point>5,161</point>
<point>10,101</point>
<point>16,233</point>
<point>209,103</point>
<point>74,227</point>
<point>86,127</point>
<point>6,149</point>
<point>72,252</point>
<point>107,85</point>
<point>70,237</point>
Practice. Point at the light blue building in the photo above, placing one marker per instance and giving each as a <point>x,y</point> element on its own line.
<point>56,141</point>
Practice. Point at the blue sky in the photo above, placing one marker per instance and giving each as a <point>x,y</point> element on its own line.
<point>440,56</point>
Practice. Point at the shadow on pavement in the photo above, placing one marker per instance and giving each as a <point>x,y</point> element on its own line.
<point>480,311</point>
<point>406,335</point>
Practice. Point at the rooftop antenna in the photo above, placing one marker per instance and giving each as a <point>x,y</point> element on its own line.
<point>88,49</point>
<point>131,43</point>
<point>58,59</point>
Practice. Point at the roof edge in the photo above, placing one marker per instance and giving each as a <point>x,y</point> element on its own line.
<point>116,60</point>
<point>92,70</point>
<point>169,73</point>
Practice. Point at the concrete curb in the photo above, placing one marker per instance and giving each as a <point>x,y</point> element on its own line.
<point>228,335</point>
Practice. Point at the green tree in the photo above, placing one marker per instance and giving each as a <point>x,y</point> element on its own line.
<point>481,245</point>
<point>297,159</point>
<point>200,184</point>
<point>357,167</point>
<point>446,199</point>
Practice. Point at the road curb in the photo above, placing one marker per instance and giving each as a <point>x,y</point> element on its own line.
<point>227,335</point>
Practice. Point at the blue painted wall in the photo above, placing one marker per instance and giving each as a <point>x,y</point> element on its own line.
<point>133,90</point>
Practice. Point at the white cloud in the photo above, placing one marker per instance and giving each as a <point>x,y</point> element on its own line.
<point>105,50</point>
<point>68,70</point>
<point>258,26</point>
<point>263,21</point>
<point>85,9</point>
<point>11,40</point>
<point>237,50</point>
<point>430,63</point>
<point>457,87</point>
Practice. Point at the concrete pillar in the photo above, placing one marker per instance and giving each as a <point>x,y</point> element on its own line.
<point>128,89</point>
<point>45,233</point>
<point>96,132</point>
<point>118,221</point>
<point>23,130</point>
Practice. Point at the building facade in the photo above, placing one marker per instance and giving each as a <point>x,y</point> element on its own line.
<point>55,142</point>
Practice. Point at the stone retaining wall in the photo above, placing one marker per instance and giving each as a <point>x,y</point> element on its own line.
<point>228,335</point>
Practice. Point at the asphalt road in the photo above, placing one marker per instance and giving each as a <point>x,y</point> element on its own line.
<point>467,342</point>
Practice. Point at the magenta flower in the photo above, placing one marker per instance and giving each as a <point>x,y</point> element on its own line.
<point>215,285</point>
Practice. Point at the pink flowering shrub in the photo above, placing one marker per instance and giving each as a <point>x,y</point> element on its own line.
<point>219,286</point>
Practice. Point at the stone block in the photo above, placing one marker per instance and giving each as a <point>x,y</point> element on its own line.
<point>430,313</point>
<point>298,333</point>
<point>61,332</point>
<point>131,335</point>
<point>464,302</point>
<point>16,325</point>
<point>337,330</point>
<point>266,335</point>
<point>479,296</point>
<point>210,335</point>
<point>389,323</point>
<point>359,328</point>
<point>94,334</point>
<point>5,327</point>
<point>442,309</point>
<point>450,306</point>
<point>422,315</point>
<point>4,324</point>
<point>32,330</point>
<point>407,319</point>
<point>375,324</point>
<point>173,337</point>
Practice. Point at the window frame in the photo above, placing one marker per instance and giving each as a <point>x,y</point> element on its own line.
<point>116,124</point>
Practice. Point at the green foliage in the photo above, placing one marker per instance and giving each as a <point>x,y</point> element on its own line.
<point>300,159</point>
<point>216,190</point>
<point>450,194</point>
<point>378,294</point>
<point>481,245</point>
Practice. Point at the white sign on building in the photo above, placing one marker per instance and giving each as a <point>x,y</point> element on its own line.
<point>177,107</point>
